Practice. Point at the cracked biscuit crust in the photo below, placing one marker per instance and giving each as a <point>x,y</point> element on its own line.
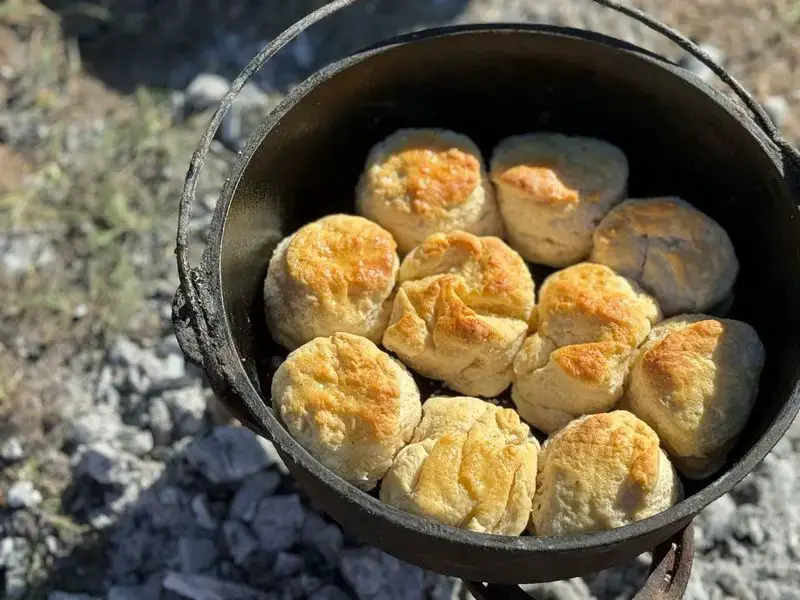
<point>351,405</point>
<point>470,465</point>
<point>462,311</point>
<point>674,251</point>
<point>601,472</point>
<point>420,181</point>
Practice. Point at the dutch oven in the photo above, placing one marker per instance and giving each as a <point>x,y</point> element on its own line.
<point>682,137</point>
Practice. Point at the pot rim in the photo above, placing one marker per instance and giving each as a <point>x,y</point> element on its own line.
<point>683,511</point>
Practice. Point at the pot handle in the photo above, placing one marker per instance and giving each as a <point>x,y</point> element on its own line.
<point>669,574</point>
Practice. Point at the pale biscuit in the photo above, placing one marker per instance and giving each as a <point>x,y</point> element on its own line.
<point>418,182</point>
<point>677,253</point>
<point>462,311</point>
<point>553,190</point>
<point>470,465</point>
<point>553,386</point>
<point>336,274</point>
<point>695,381</point>
<point>351,405</point>
<point>601,472</point>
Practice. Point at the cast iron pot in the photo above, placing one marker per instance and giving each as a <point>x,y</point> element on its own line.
<point>681,137</point>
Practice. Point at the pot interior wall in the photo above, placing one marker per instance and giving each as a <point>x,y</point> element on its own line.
<point>492,83</point>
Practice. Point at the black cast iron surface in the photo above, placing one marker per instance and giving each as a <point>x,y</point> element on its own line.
<point>681,137</point>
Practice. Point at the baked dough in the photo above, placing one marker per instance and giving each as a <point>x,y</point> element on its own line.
<point>470,465</point>
<point>553,190</point>
<point>695,381</point>
<point>351,405</point>
<point>461,312</point>
<point>589,321</point>
<point>421,181</point>
<point>553,386</point>
<point>674,251</point>
<point>336,274</point>
<point>601,472</point>
<point>588,302</point>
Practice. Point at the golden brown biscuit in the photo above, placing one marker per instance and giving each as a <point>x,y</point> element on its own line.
<point>553,386</point>
<point>422,181</point>
<point>470,465</point>
<point>588,302</point>
<point>461,312</point>
<point>553,190</point>
<point>675,252</point>
<point>601,472</point>
<point>351,405</point>
<point>695,381</point>
<point>335,274</point>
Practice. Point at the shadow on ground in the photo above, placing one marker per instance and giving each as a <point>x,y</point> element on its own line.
<point>151,43</point>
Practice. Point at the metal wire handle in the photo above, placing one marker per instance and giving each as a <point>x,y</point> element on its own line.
<point>200,153</point>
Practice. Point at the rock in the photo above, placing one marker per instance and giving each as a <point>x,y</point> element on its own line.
<point>167,374</point>
<point>277,522</point>
<point>326,542</point>
<point>228,455</point>
<point>206,90</point>
<point>329,592</point>
<point>15,557</point>
<point>65,596</point>
<point>22,494</point>
<point>694,65</point>
<point>557,590</point>
<point>102,463</point>
<point>202,514</point>
<point>125,353</point>
<point>375,575</point>
<point>202,587</point>
<point>240,542</point>
<point>136,441</point>
<point>777,107</point>
<point>11,450</point>
<point>717,520</point>
<point>303,50</point>
<point>187,408</point>
<point>275,459</point>
<point>21,252</point>
<point>132,592</point>
<point>197,554</point>
<point>731,581</point>
<point>301,586</point>
<point>160,422</point>
<point>440,587</point>
<point>287,564</point>
<point>230,130</point>
<point>102,424</point>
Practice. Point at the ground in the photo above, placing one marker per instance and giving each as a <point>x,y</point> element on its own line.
<point>93,152</point>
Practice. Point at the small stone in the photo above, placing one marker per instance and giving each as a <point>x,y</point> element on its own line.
<point>22,494</point>
<point>160,422</point>
<point>201,587</point>
<point>731,581</point>
<point>65,596</point>
<point>15,556</point>
<point>11,450</point>
<point>287,564</point>
<point>230,131</point>
<point>100,425</point>
<point>202,514</point>
<point>694,64</point>
<point>228,455</point>
<point>206,90</point>
<point>52,544</point>
<point>187,408</point>
<point>167,374</point>
<point>326,542</point>
<point>125,353</point>
<point>375,575</point>
<point>329,592</point>
<point>196,554</point>
<point>136,441</point>
<point>303,50</point>
<point>777,108</point>
<point>80,312</point>
<point>278,521</point>
<point>301,586</point>
<point>718,519</point>
<point>134,592</point>
<point>241,543</point>
<point>99,464</point>
<point>275,459</point>
<point>441,587</point>
<point>556,590</point>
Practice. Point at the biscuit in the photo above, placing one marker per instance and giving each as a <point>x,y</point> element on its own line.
<point>461,311</point>
<point>418,182</point>
<point>553,386</point>
<point>589,302</point>
<point>470,465</point>
<point>349,404</point>
<point>695,381</point>
<point>675,252</point>
<point>601,472</point>
<point>553,190</point>
<point>336,274</point>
